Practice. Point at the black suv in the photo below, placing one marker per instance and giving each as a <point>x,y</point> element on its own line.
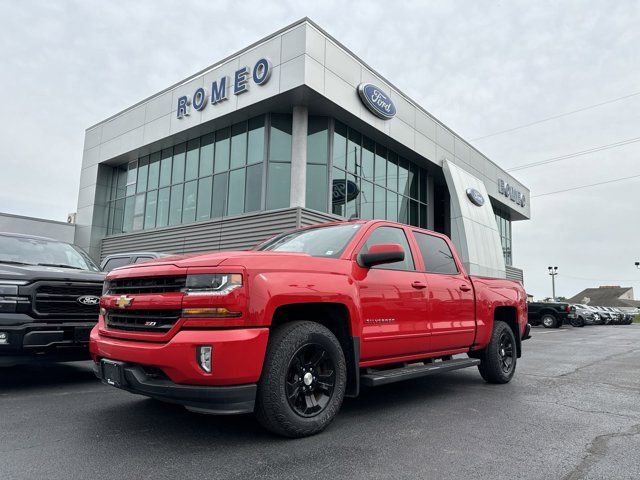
<point>49,299</point>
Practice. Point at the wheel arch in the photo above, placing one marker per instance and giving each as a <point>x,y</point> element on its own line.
<point>509,315</point>
<point>335,317</point>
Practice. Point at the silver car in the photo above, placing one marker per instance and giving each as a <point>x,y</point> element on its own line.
<point>586,315</point>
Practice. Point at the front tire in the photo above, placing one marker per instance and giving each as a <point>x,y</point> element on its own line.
<point>549,321</point>
<point>303,380</point>
<point>498,359</point>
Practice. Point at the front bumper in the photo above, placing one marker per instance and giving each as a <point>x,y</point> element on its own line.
<point>207,399</point>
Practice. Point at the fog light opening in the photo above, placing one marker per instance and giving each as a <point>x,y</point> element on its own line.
<point>203,357</point>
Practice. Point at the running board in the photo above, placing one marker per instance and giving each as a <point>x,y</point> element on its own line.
<point>382,377</point>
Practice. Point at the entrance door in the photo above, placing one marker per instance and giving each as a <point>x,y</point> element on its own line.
<point>450,303</point>
<point>392,297</point>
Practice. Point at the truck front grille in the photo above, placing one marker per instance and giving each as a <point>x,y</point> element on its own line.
<point>130,286</point>
<point>142,320</point>
<point>62,299</point>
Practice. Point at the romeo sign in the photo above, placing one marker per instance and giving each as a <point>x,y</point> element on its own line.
<point>260,74</point>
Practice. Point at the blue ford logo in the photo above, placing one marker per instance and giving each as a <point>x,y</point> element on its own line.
<point>475,196</point>
<point>344,189</point>
<point>376,101</point>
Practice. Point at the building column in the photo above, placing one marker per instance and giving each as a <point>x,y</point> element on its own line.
<point>299,157</point>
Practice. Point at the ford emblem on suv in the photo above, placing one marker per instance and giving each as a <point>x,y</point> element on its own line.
<point>89,300</point>
<point>475,196</point>
<point>376,101</point>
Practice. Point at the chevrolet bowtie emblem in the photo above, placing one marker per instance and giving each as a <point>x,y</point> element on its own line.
<point>123,301</point>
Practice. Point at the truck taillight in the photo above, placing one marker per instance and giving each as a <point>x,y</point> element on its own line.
<point>568,308</point>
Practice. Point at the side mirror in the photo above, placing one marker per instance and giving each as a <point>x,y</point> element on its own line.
<point>380,254</point>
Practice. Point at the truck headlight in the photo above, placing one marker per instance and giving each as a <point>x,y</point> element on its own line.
<point>212,283</point>
<point>9,297</point>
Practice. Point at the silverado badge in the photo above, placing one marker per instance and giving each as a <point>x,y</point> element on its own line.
<point>123,301</point>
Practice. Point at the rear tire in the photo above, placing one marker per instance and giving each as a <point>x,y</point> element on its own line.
<point>549,321</point>
<point>577,322</point>
<point>498,359</point>
<point>303,380</point>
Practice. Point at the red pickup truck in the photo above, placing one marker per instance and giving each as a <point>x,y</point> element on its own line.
<point>287,329</point>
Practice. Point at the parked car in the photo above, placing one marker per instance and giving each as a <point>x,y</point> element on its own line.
<point>49,295</point>
<point>585,316</point>
<point>290,328</point>
<point>599,319</point>
<point>121,259</point>
<point>550,314</point>
<point>606,315</point>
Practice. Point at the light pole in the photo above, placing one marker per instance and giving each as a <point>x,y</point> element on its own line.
<point>637,264</point>
<point>553,271</point>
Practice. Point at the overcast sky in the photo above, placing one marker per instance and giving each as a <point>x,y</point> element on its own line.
<point>478,66</point>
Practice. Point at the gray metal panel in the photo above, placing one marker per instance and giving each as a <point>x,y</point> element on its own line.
<point>515,274</point>
<point>234,233</point>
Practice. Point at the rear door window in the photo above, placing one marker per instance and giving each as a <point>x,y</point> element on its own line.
<point>436,254</point>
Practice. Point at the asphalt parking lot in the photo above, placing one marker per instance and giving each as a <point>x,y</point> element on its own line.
<point>572,412</point>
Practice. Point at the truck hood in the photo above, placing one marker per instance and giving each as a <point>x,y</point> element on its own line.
<point>30,273</point>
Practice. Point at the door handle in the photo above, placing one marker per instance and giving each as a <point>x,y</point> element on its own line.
<point>465,288</point>
<point>418,284</point>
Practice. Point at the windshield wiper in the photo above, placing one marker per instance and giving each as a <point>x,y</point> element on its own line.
<point>62,265</point>
<point>14,262</point>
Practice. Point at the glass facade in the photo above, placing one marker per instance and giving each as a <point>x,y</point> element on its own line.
<point>504,228</point>
<point>215,175</point>
<point>371,181</point>
<point>246,167</point>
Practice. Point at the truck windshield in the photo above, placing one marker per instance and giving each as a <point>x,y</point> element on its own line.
<point>38,251</point>
<point>328,242</point>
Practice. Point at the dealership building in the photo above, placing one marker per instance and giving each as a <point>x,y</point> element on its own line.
<point>291,131</point>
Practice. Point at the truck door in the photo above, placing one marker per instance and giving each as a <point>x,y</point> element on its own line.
<point>392,298</point>
<point>451,300</point>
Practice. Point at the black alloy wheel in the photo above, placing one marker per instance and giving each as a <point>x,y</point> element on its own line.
<point>506,352</point>
<point>311,380</point>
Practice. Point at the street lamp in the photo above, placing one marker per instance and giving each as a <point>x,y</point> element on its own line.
<point>553,271</point>
<point>637,264</point>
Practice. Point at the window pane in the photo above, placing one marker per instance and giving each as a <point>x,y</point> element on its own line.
<point>423,216</point>
<point>154,170</point>
<point>253,196</point>
<point>392,171</point>
<point>340,145</point>
<point>381,165</point>
<point>338,192</point>
<point>353,152</point>
<point>279,179</point>
<point>189,209</point>
<point>280,140</point>
<point>150,209</point>
<point>193,154</point>
<point>222,150</point>
<point>367,158</point>
<point>175,208</point>
<point>423,185</point>
<point>178,163</point>
<point>403,214</point>
<point>138,212</point>
<point>352,204</point>
<point>238,144</point>
<point>132,173</point>
<point>206,155</point>
<point>121,181</point>
<point>236,192</point>
<point>380,203</point>
<point>391,235</point>
<point>403,177</point>
<point>163,208</point>
<point>219,197</point>
<point>317,187</point>
<point>255,148</point>
<point>165,167</point>
<point>204,198</point>
<point>413,180</point>
<point>129,204</point>
<point>118,216</point>
<point>413,213</point>
<point>366,200</point>
<point>143,171</point>
<point>436,254</point>
<point>317,137</point>
<point>392,206</point>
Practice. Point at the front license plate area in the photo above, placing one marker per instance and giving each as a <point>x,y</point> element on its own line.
<point>113,373</point>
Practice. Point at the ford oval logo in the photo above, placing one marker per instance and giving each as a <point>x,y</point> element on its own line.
<point>475,196</point>
<point>88,300</point>
<point>344,190</point>
<point>376,101</point>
